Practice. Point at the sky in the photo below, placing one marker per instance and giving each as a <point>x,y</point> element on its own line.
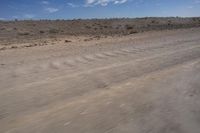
<point>87,9</point>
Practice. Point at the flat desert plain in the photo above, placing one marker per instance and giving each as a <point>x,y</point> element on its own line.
<point>147,82</point>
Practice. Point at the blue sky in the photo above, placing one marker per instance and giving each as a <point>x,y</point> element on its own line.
<point>70,9</point>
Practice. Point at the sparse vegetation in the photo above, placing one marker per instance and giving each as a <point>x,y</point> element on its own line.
<point>42,32</point>
<point>87,27</point>
<point>2,28</point>
<point>154,22</point>
<point>23,33</point>
<point>52,29</point>
<point>169,22</point>
<point>133,32</point>
<point>129,27</point>
<point>13,47</point>
<point>67,41</point>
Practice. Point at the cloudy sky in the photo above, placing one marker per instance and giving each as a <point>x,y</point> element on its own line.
<point>70,9</point>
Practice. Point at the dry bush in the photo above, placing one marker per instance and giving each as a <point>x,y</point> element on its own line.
<point>154,22</point>
<point>133,32</point>
<point>87,27</point>
<point>42,32</point>
<point>88,39</point>
<point>67,41</point>
<point>53,31</point>
<point>2,28</point>
<point>169,22</point>
<point>195,19</point>
<point>129,27</point>
<point>3,48</point>
<point>23,33</point>
<point>14,47</point>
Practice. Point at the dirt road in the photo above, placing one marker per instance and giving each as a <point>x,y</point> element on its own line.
<point>146,84</point>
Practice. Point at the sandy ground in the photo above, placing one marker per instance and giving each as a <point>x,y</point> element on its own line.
<point>142,83</point>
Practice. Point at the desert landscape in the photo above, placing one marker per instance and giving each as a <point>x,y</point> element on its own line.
<point>100,75</point>
<point>32,33</point>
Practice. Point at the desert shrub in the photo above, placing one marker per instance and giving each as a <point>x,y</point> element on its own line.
<point>154,22</point>
<point>23,33</point>
<point>53,31</point>
<point>169,22</point>
<point>87,27</point>
<point>88,39</point>
<point>41,31</point>
<point>2,28</point>
<point>128,27</point>
<point>13,47</point>
<point>67,41</point>
<point>98,37</point>
<point>3,48</point>
<point>133,32</point>
<point>194,19</point>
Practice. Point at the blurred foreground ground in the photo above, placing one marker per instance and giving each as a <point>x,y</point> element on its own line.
<point>139,83</point>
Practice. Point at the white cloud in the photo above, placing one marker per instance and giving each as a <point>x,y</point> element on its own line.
<point>90,1</point>
<point>120,1</point>
<point>72,5</point>
<point>51,9</point>
<point>45,2</point>
<point>104,2</point>
<point>29,16</point>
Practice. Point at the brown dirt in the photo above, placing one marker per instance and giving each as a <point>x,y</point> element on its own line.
<point>139,83</point>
